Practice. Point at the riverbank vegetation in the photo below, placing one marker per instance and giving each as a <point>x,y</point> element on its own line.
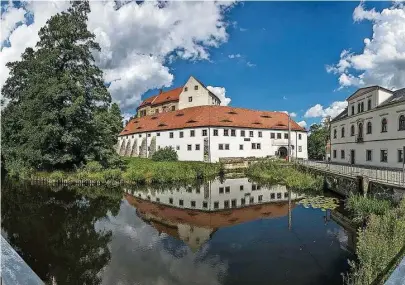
<point>136,171</point>
<point>381,239</point>
<point>273,172</point>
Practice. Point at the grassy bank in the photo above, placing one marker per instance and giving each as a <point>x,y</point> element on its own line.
<point>381,239</point>
<point>137,170</point>
<point>270,172</point>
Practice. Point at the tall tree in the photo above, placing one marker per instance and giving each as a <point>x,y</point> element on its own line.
<point>59,113</point>
<point>317,140</point>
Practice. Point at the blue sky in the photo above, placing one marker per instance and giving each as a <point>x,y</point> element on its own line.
<point>289,43</point>
<point>265,55</point>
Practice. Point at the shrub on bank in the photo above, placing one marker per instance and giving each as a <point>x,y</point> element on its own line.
<point>360,207</point>
<point>377,245</point>
<point>165,154</point>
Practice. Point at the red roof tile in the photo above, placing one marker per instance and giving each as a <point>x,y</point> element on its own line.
<point>164,97</point>
<point>216,116</point>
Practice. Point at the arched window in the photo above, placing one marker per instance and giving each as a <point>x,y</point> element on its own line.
<point>334,133</point>
<point>352,131</point>
<point>358,108</point>
<point>369,104</point>
<point>352,109</point>
<point>384,125</point>
<point>360,130</point>
<point>362,106</point>
<point>343,132</point>
<point>402,123</point>
<point>369,128</point>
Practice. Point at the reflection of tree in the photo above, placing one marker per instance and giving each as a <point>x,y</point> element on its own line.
<point>54,231</point>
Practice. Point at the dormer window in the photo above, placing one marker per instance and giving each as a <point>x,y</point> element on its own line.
<point>185,89</point>
<point>196,87</point>
<point>369,104</point>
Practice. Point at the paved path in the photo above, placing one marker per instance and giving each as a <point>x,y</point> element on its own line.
<point>393,177</point>
<point>398,276</point>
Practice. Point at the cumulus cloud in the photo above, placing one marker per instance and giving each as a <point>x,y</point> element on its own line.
<point>137,40</point>
<point>293,114</point>
<point>302,124</point>
<point>221,93</point>
<point>319,111</point>
<point>234,55</point>
<point>382,61</point>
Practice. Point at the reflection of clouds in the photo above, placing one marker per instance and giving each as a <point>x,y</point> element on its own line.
<point>341,235</point>
<point>139,255</point>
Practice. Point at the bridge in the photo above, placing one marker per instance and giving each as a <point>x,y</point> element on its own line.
<point>344,178</point>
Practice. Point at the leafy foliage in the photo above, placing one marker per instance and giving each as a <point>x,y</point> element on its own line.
<point>317,141</point>
<point>360,207</point>
<point>59,113</point>
<point>165,154</point>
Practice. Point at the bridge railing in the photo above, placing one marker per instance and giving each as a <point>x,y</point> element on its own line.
<point>389,176</point>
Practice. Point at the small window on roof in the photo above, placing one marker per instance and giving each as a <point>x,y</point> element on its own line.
<point>256,123</point>
<point>265,116</point>
<point>179,114</point>
<point>139,128</point>
<point>162,125</point>
<point>154,118</point>
<point>136,121</point>
<point>226,121</point>
<point>232,112</point>
<point>191,121</point>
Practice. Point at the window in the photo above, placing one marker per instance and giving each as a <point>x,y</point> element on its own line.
<point>192,133</point>
<point>352,109</point>
<point>149,135</point>
<point>286,195</point>
<point>220,146</point>
<point>241,187</point>
<point>233,133</point>
<point>221,190</point>
<point>253,187</point>
<point>253,146</point>
<point>258,146</point>
<point>233,203</point>
<point>362,106</point>
<point>204,133</point>
<point>384,155</point>
<point>173,108</point>
<point>205,204</point>
<point>279,135</point>
<point>360,130</point>
<point>178,147</point>
<point>195,87</point>
<point>226,133</point>
<point>334,133</point>
<point>242,133</point>
<point>334,153</point>
<point>226,204</point>
<point>369,155</point>
<point>369,104</point>
<point>193,204</point>
<point>216,205</point>
<point>272,135</point>
<point>158,134</point>
<point>252,200</point>
<point>400,155</point>
<point>384,125</point>
<point>189,147</point>
<point>260,134</point>
<point>358,108</point>
<point>197,147</point>
<point>215,133</point>
<point>241,147</point>
<point>352,131</point>
<point>226,146</point>
<point>171,200</point>
<point>278,195</point>
<point>227,189</point>
<point>299,148</point>
<point>286,136</point>
<point>260,198</point>
<point>369,128</point>
<point>185,89</point>
<point>171,135</point>
<point>273,196</point>
<point>299,136</point>
<point>242,201</point>
<point>343,132</point>
<point>190,99</point>
<point>342,154</point>
<point>251,134</point>
<point>402,123</point>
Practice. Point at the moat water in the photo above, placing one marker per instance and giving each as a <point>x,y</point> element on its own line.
<point>222,232</point>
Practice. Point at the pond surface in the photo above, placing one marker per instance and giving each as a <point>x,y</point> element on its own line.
<point>229,232</point>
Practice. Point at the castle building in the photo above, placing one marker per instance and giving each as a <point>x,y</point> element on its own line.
<point>191,120</point>
<point>371,130</point>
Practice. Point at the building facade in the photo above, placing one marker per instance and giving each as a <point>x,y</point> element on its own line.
<point>199,129</point>
<point>371,130</point>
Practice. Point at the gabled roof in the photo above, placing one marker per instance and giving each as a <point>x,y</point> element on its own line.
<point>210,115</point>
<point>397,96</point>
<point>161,98</point>
<point>365,90</point>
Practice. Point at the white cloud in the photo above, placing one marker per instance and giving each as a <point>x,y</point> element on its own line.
<point>302,124</point>
<point>249,64</point>
<point>221,93</point>
<point>293,115</point>
<point>234,55</point>
<point>382,61</point>
<point>284,98</point>
<point>242,29</point>
<point>319,111</point>
<point>12,16</point>
<point>137,41</point>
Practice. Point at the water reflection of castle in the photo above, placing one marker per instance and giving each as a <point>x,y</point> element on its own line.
<point>193,214</point>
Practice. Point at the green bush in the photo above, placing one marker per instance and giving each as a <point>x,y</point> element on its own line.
<point>165,154</point>
<point>56,175</point>
<point>93,166</point>
<point>360,207</point>
<point>378,243</point>
<point>112,175</point>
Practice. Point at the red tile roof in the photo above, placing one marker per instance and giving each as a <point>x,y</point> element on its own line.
<point>161,98</point>
<point>216,116</point>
